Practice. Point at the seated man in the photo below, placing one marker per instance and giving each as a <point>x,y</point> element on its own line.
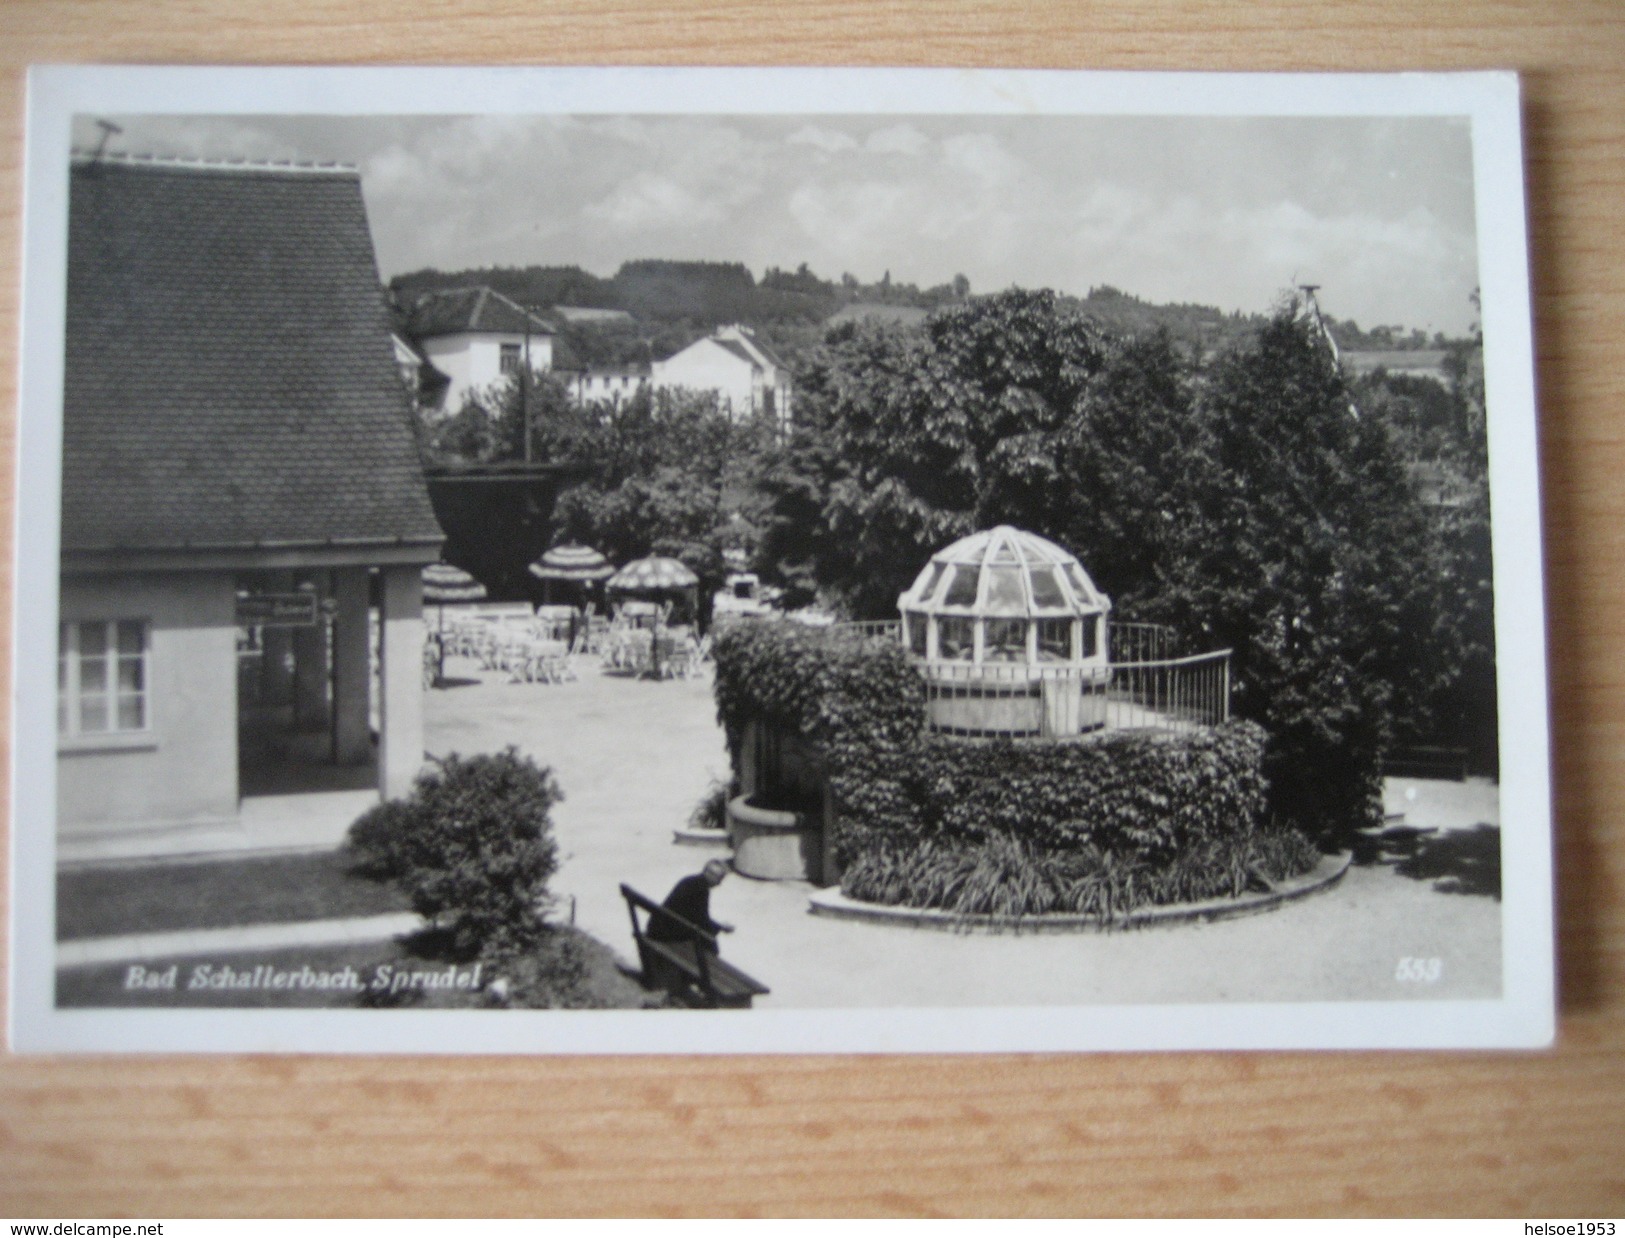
<point>690,898</point>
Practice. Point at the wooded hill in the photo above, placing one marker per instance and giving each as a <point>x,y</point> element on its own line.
<point>674,303</point>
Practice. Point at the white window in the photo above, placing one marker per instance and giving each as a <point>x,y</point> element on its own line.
<point>101,677</point>
<point>509,359</point>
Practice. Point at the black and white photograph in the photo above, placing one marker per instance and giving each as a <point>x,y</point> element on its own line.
<point>691,561</point>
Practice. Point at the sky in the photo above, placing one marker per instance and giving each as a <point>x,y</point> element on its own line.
<point>1212,210</point>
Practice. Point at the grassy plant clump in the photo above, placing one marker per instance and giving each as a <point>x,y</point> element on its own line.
<point>711,813</point>
<point>1010,878</point>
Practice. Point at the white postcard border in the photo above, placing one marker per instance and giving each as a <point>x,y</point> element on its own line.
<point>1522,1017</point>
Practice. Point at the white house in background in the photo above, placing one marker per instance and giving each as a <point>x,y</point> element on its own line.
<point>607,385</point>
<point>474,338</point>
<point>750,380</point>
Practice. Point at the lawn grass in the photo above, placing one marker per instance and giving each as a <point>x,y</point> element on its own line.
<point>223,893</point>
<point>570,970</point>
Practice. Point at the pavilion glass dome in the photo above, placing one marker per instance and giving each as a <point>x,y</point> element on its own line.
<point>1005,596</point>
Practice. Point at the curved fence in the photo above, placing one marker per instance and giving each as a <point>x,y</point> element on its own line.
<point>1142,642</point>
<point>1144,687</point>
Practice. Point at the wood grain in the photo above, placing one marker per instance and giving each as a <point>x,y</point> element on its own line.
<point>1518,1134</point>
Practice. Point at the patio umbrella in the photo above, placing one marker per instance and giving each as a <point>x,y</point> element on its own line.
<point>444,583</point>
<point>656,574</point>
<point>573,564</point>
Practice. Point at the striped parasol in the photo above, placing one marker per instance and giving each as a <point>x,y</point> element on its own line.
<point>444,583</point>
<point>653,574</point>
<point>581,564</point>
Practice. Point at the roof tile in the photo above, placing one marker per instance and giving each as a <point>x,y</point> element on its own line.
<point>230,378</point>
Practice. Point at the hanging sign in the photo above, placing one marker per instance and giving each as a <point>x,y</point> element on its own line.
<point>277,610</point>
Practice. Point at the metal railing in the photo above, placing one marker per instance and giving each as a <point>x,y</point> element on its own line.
<point>1142,642</point>
<point>887,631</point>
<point>1012,701</point>
<point>1171,694</point>
<point>1143,687</point>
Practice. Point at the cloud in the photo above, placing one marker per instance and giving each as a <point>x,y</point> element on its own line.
<point>897,140</point>
<point>1224,210</point>
<point>983,157</point>
<point>649,201</point>
<point>829,141</point>
<point>849,217</point>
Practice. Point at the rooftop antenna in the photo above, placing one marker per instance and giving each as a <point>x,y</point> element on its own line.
<point>1312,305</point>
<point>108,129</point>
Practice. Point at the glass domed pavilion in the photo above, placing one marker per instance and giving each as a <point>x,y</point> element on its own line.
<point>1011,633</point>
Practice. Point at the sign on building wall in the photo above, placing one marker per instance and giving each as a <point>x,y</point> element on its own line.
<point>276,610</point>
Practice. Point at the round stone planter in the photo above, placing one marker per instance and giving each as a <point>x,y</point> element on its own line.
<point>774,844</point>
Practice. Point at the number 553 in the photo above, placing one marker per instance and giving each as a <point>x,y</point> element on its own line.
<point>1419,971</point>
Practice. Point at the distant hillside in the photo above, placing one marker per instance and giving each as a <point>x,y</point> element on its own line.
<point>1201,327</point>
<point>710,293</point>
<point>534,286</point>
<point>672,303</point>
<point>860,311</point>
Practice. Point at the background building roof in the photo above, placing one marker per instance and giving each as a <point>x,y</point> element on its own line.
<point>462,311</point>
<point>230,378</point>
<point>735,348</point>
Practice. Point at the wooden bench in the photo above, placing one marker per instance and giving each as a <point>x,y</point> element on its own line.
<point>688,968</point>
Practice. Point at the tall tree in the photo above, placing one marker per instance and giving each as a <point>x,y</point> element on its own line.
<point>1309,555</point>
<point>922,435</point>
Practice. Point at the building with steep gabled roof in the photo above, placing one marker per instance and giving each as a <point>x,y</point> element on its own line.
<point>748,377</point>
<point>242,497</point>
<point>475,338</point>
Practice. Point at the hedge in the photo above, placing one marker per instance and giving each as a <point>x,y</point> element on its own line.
<point>1143,796</point>
<point>836,692</point>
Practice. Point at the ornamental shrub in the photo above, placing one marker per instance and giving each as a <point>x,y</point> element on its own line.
<point>832,690</point>
<point>473,848</point>
<point>1128,792</point>
<point>1144,795</point>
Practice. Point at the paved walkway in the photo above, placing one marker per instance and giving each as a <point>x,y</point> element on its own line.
<point>634,757</point>
<point>140,947</point>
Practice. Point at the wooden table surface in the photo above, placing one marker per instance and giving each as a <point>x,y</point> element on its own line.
<point>1528,1134</point>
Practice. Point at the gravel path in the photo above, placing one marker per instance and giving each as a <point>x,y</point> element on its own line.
<point>634,757</point>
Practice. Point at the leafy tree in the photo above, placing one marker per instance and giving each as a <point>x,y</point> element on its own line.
<point>490,426</point>
<point>911,438</point>
<point>1309,556</point>
<point>1439,432</point>
<point>1127,459</point>
<point>666,473</point>
<point>1009,409</point>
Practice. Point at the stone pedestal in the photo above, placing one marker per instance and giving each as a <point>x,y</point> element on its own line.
<point>775,844</point>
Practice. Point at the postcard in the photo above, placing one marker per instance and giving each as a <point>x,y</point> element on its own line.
<point>768,560</point>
